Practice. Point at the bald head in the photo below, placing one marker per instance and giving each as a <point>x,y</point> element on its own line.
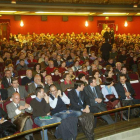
<point>37,79</point>
<point>29,73</point>
<point>16,97</point>
<point>48,80</point>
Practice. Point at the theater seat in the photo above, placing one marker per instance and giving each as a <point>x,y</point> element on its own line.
<point>30,98</point>
<point>134,76</point>
<point>21,72</point>
<point>136,87</point>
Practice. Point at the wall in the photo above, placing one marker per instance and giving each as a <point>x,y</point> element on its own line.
<point>54,24</point>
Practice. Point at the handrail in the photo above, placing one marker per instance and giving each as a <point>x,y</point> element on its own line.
<point>55,124</point>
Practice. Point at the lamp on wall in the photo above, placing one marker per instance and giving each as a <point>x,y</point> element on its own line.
<point>125,24</point>
<point>86,23</point>
<point>21,23</point>
<point>13,1</point>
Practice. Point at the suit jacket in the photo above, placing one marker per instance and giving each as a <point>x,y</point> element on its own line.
<point>32,88</point>
<point>74,100</point>
<point>22,91</point>
<point>91,96</point>
<point>121,92</point>
<point>5,82</point>
<point>11,109</point>
<point>4,94</point>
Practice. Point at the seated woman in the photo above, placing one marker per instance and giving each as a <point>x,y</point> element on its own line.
<point>14,72</point>
<point>96,62</point>
<point>109,67</point>
<point>109,89</point>
<point>42,57</point>
<point>109,74</point>
<point>37,69</point>
<point>43,74</point>
<point>76,66</point>
<point>87,64</point>
<point>63,67</point>
<point>84,70</point>
<point>97,76</point>
<point>57,75</point>
<point>72,76</point>
<point>82,77</point>
<point>31,59</point>
<point>93,57</point>
<point>67,82</point>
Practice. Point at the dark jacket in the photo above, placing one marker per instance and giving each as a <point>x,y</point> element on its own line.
<point>5,82</point>
<point>4,94</point>
<point>120,90</point>
<point>3,114</point>
<point>74,100</point>
<point>67,129</point>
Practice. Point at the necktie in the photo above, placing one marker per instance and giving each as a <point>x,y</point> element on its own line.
<point>94,91</point>
<point>126,91</point>
<point>17,105</point>
<point>9,82</point>
<point>16,90</point>
<point>80,103</point>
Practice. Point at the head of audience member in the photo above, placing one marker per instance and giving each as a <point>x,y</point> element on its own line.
<point>118,65</point>
<point>54,55</point>
<point>124,70</point>
<point>134,58</point>
<point>109,67</point>
<point>96,62</point>
<point>37,79</point>
<point>21,62</point>
<point>37,67</point>
<point>108,73</point>
<point>96,74</point>
<point>21,55</point>
<point>70,71</point>
<point>58,58</point>
<point>109,82</point>
<point>94,67</point>
<point>110,61</point>
<point>11,67</point>
<point>42,55</point>
<point>46,59</point>
<point>63,64</point>
<point>43,73</point>
<point>84,68</point>
<point>53,90</point>
<point>87,63</point>
<point>16,98</point>
<point>14,82</point>
<point>29,73</point>
<point>79,85</point>
<point>31,57</point>
<point>93,54</point>
<point>39,92</point>
<point>56,72</point>
<point>8,74</point>
<point>51,64</point>
<point>92,82</point>
<point>67,78</point>
<point>82,77</point>
<point>76,63</point>
<point>123,79</point>
<point>48,80</point>
<point>131,54</point>
<point>123,52</point>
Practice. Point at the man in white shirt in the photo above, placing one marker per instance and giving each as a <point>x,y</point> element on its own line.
<point>15,108</point>
<point>58,101</point>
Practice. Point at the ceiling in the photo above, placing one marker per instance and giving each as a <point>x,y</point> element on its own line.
<point>71,7</point>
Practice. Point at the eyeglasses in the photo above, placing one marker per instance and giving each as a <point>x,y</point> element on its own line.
<point>53,91</point>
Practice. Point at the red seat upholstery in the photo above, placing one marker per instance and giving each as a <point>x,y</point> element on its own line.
<point>29,98</point>
<point>21,72</point>
<point>136,87</point>
<point>134,76</point>
<point>1,105</point>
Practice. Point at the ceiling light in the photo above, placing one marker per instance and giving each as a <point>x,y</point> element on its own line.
<point>13,1</point>
<point>115,13</point>
<point>8,11</point>
<point>62,12</point>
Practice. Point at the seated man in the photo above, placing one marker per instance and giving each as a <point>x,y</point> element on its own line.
<point>96,99</point>
<point>67,82</point>
<point>124,72</point>
<point>6,80</point>
<point>58,101</point>
<point>15,108</point>
<point>110,62</point>
<point>15,87</point>
<point>45,63</point>
<point>125,90</point>
<point>37,83</point>
<point>41,107</point>
<point>50,68</point>
<point>94,67</point>
<point>49,81</point>
<point>28,78</point>
<point>21,65</point>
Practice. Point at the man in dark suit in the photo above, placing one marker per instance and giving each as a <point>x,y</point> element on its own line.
<point>6,80</point>
<point>57,62</point>
<point>125,90</point>
<point>78,100</point>
<point>105,49</point>
<point>15,87</point>
<point>95,97</point>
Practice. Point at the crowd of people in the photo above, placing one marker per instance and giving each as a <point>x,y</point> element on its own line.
<point>66,69</point>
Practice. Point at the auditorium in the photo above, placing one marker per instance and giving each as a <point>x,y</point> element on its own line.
<point>69,69</point>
